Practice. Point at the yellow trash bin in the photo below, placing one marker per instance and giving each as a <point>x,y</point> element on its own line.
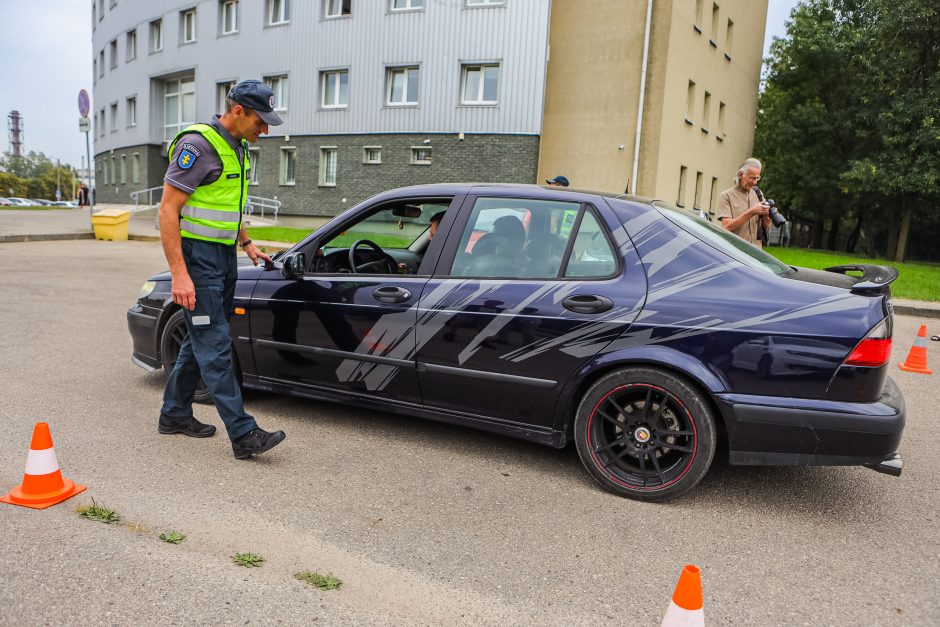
<point>111,224</point>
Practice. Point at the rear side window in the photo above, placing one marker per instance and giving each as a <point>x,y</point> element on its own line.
<point>592,254</point>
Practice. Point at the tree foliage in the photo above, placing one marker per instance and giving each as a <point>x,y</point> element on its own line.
<point>849,122</point>
<point>35,176</point>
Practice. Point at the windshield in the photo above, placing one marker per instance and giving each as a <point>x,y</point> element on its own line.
<point>725,241</point>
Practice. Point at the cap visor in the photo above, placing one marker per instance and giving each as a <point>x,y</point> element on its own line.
<point>270,118</point>
<point>549,181</point>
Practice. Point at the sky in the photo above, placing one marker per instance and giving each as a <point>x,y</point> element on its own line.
<point>45,52</point>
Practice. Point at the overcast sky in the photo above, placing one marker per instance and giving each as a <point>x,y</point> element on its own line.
<point>45,50</point>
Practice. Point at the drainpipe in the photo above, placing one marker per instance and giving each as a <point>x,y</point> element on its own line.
<point>640,108</point>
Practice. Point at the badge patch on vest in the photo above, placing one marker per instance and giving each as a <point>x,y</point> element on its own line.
<point>186,159</point>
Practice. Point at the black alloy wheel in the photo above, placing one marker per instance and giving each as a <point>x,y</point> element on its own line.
<point>645,434</point>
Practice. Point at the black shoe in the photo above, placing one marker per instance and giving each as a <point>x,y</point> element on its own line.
<point>187,426</point>
<point>255,442</point>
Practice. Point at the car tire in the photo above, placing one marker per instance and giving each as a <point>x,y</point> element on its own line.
<point>174,332</point>
<point>653,454</point>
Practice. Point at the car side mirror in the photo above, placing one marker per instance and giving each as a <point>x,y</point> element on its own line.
<point>294,265</point>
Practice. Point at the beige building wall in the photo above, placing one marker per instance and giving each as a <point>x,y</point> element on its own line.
<point>587,117</point>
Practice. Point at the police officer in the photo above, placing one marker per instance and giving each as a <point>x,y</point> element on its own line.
<point>204,192</point>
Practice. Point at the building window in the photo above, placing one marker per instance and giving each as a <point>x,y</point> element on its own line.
<point>706,111</point>
<point>406,5</point>
<point>254,172</point>
<point>135,168</point>
<point>101,63</point>
<point>278,85</point>
<point>721,121</point>
<point>229,17</point>
<point>102,175</point>
<point>113,3</point>
<point>714,38</point>
<point>485,3</point>
<point>131,52</point>
<point>132,111</point>
<point>100,126</point>
<point>334,86</point>
<point>156,36</point>
<point>94,13</point>
<point>114,117</point>
<point>697,198</point>
<point>713,196</point>
<point>221,94</point>
<point>337,8</point>
<point>113,176</point>
<point>690,103</point>
<point>480,84</point>
<point>372,155</point>
<point>697,23</point>
<point>420,155</point>
<point>328,167</point>
<point>729,39</point>
<point>114,56</point>
<point>402,86</point>
<point>94,70</point>
<point>188,26</point>
<point>288,159</point>
<point>123,169</point>
<point>278,12</point>
<point>683,174</point>
<point>100,10</point>
<point>179,106</point>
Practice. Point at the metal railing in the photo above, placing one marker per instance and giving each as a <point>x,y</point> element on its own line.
<point>153,195</point>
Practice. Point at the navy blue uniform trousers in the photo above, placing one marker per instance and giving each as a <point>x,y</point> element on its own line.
<point>207,349</point>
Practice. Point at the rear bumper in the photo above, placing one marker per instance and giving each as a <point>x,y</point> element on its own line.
<point>786,431</point>
<point>143,323</point>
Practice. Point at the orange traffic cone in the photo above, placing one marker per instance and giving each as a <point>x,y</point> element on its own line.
<point>686,605</point>
<point>43,484</point>
<point>917,358</point>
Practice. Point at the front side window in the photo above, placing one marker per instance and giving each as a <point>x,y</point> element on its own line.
<point>156,35</point>
<point>188,27</point>
<point>278,12</point>
<point>523,238</point>
<point>131,52</point>
<point>402,88</point>
<point>132,111</point>
<point>337,8</point>
<point>278,85</point>
<point>335,89</point>
<point>229,17</point>
<point>407,5</point>
<point>480,83</point>
<point>288,158</point>
<point>327,167</point>
<point>179,106</point>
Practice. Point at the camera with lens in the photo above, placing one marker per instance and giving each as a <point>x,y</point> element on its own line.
<point>775,216</point>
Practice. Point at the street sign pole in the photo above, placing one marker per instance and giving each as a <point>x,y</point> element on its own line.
<point>84,125</point>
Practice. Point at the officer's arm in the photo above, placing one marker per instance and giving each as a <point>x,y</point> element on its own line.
<point>184,293</point>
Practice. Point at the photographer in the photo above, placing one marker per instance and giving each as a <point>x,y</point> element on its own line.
<point>740,209</point>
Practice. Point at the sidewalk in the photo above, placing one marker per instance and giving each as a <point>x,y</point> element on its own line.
<point>40,225</point>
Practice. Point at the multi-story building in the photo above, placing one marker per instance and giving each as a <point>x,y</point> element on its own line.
<point>380,93</point>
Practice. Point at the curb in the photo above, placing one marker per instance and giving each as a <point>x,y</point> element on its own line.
<point>46,237</point>
<point>917,311</point>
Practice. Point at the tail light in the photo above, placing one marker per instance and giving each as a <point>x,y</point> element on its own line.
<point>874,351</point>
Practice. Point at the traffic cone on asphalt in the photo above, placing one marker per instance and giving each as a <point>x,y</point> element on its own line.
<point>43,484</point>
<point>917,358</point>
<point>685,609</point>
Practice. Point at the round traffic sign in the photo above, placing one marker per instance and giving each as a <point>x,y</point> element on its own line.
<point>84,104</point>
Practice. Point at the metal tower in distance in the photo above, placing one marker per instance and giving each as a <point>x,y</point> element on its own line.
<point>15,133</point>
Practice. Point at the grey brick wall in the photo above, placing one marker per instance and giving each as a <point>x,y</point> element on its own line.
<point>476,158</point>
<point>152,167</point>
<point>484,158</point>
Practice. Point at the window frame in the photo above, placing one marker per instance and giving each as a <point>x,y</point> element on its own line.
<point>283,14</point>
<point>123,170</point>
<point>409,8</point>
<point>345,9</point>
<point>113,51</point>
<point>287,166</point>
<point>465,68</point>
<point>483,4</point>
<point>365,155</point>
<point>130,45</point>
<point>135,168</point>
<point>156,35</point>
<point>130,107</point>
<point>414,155</point>
<point>187,18</point>
<point>390,71</point>
<point>223,5</point>
<point>181,123</point>
<point>254,172</point>
<point>683,183</point>
<point>221,96</point>
<point>322,180</point>
<point>278,84</point>
<point>113,111</point>
<point>324,77</point>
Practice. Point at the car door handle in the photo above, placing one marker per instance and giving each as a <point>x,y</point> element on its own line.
<point>391,294</point>
<point>588,304</point>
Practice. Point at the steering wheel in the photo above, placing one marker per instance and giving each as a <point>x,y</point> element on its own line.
<point>382,261</point>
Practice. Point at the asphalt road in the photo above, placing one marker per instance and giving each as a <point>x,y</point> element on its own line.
<point>424,523</point>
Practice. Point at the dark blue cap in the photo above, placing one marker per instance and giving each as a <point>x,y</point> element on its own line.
<point>558,180</point>
<point>258,97</point>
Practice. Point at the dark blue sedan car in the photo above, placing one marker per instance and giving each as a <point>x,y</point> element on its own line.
<point>643,333</point>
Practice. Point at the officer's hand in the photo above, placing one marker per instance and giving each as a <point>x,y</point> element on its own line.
<point>184,292</point>
<point>254,253</point>
<point>761,209</point>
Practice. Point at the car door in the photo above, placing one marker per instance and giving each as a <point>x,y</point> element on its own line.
<point>527,290</point>
<point>333,330</point>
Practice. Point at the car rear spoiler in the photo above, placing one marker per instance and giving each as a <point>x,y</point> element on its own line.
<point>874,278</point>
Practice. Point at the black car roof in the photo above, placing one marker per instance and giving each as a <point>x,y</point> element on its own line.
<point>440,189</point>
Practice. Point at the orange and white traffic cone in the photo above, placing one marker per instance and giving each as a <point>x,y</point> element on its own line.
<point>686,608</point>
<point>917,357</point>
<point>43,484</point>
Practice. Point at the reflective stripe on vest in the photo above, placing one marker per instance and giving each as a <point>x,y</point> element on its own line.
<point>213,211</point>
